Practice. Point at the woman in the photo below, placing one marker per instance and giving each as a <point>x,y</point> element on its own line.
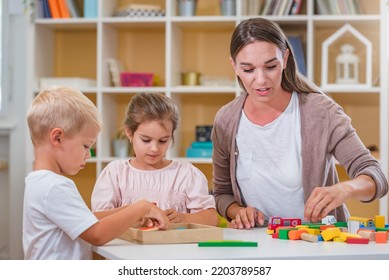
<point>275,145</point>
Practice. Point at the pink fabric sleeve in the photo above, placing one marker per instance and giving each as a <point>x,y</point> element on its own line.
<point>106,194</point>
<point>198,197</point>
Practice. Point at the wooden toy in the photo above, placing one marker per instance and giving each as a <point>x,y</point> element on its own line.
<point>296,234</point>
<point>309,237</point>
<point>175,233</point>
<point>330,233</point>
<point>360,240</point>
<point>381,237</point>
<point>275,222</point>
<point>379,221</point>
<point>149,228</point>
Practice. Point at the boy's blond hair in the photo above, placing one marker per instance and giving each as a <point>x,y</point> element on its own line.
<point>62,107</point>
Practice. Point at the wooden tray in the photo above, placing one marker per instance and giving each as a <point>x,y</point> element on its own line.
<point>175,233</point>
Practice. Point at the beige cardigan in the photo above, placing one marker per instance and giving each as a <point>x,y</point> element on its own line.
<point>326,133</point>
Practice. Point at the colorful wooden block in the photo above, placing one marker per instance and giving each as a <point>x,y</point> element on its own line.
<point>346,235</point>
<point>381,237</point>
<point>379,221</point>
<point>360,240</point>
<point>295,234</point>
<point>314,231</point>
<point>309,237</point>
<point>330,233</point>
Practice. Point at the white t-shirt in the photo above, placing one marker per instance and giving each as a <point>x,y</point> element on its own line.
<point>54,215</point>
<point>269,170</point>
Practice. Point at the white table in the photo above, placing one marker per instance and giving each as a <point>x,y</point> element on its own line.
<point>268,248</point>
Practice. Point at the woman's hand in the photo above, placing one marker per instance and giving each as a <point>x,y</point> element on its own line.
<point>247,218</point>
<point>323,200</point>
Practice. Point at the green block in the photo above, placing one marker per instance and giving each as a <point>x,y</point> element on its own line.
<point>283,233</point>
<point>340,224</point>
<point>381,229</point>
<point>314,225</point>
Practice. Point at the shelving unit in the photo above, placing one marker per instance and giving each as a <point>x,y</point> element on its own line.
<point>173,44</point>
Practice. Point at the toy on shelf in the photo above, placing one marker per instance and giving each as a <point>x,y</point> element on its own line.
<point>356,230</point>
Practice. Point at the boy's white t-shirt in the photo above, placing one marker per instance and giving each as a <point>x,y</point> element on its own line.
<point>54,215</point>
<point>269,165</point>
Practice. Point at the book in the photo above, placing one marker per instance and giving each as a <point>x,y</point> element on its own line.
<point>90,8</point>
<point>46,9</point>
<point>54,9</point>
<point>296,7</point>
<point>39,9</point>
<point>298,51</point>
<point>115,68</point>
<point>63,9</point>
<point>322,7</point>
<point>73,8</point>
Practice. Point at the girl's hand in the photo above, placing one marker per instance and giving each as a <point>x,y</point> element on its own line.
<point>248,218</point>
<point>174,216</point>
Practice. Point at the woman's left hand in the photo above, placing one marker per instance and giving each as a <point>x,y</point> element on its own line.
<point>323,200</point>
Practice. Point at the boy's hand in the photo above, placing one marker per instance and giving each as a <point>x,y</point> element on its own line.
<point>156,217</point>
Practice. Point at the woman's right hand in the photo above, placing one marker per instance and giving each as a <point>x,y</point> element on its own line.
<point>247,218</point>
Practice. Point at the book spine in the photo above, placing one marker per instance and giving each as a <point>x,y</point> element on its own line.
<point>63,9</point>
<point>54,9</point>
<point>90,8</point>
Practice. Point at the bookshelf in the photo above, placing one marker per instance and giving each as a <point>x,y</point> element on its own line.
<point>170,44</point>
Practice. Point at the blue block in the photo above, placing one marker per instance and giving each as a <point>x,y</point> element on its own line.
<point>200,153</point>
<point>202,145</point>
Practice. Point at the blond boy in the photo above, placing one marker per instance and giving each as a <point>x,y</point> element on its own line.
<point>57,224</point>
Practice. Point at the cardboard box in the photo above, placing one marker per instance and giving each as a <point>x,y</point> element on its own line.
<point>174,234</point>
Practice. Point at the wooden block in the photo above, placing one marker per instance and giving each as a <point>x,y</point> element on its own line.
<point>367,234</point>
<point>381,237</point>
<point>346,235</point>
<point>323,227</point>
<point>314,231</point>
<point>295,234</point>
<point>330,233</point>
<point>283,233</point>
<point>355,240</point>
<point>337,239</point>
<point>309,237</point>
<point>175,233</point>
<point>379,221</point>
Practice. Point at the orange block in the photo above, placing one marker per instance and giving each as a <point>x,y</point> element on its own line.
<point>295,234</point>
<point>381,237</point>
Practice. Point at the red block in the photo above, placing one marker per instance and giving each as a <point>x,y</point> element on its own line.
<point>352,240</point>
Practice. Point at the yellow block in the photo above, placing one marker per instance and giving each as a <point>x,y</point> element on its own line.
<point>345,235</point>
<point>314,231</point>
<point>330,233</point>
<point>379,221</point>
<point>302,226</point>
<point>338,239</point>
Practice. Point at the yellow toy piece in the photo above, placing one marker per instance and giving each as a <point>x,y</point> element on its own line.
<point>330,233</point>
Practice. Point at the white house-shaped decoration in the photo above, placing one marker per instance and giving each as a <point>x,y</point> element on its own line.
<point>367,80</point>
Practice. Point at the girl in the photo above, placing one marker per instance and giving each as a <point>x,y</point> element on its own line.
<point>177,187</point>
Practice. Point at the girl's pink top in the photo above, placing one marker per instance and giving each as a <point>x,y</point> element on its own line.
<point>180,186</point>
